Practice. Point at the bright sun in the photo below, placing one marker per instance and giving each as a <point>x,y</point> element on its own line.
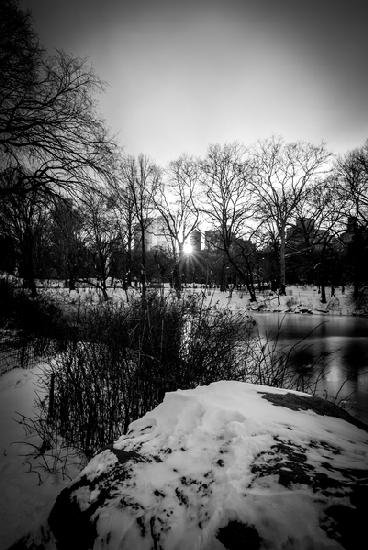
<point>187,248</point>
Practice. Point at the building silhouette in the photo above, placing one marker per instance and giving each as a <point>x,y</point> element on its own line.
<point>156,235</point>
<point>195,240</point>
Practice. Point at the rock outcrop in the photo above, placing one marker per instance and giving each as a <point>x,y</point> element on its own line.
<point>229,465</point>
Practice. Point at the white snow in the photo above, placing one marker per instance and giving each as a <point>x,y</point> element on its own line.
<point>25,497</point>
<point>298,298</point>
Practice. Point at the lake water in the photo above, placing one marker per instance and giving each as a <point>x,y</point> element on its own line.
<point>338,343</point>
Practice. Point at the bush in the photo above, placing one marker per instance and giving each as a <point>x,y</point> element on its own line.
<point>358,301</point>
<point>37,316</point>
<point>126,358</point>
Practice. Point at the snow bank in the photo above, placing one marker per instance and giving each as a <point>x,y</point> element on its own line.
<point>27,490</point>
<point>229,465</point>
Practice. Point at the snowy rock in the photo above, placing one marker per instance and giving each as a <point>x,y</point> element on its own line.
<point>229,465</point>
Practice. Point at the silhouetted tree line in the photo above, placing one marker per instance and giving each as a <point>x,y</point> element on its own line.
<point>73,206</point>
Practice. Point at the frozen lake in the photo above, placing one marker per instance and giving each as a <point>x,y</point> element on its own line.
<point>339,343</point>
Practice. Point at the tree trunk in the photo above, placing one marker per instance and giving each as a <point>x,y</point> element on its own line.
<point>104,290</point>
<point>223,272</point>
<point>250,283</point>
<point>178,283</point>
<point>28,273</point>
<point>252,294</point>
<point>129,261</point>
<point>103,273</point>
<point>71,281</point>
<point>71,268</point>
<point>323,293</point>
<point>356,290</point>
<point>247,276</point>
<point>71,284</point>
<point>143,261</point>
<point>282,290</point>
<point>274,285</point>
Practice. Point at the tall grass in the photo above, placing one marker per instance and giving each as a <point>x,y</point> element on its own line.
<point>123,359</point>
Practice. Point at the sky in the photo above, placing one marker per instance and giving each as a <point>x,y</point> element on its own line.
<point>181,75</point>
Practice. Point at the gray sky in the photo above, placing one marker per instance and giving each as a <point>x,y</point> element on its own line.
<point>185,74</point>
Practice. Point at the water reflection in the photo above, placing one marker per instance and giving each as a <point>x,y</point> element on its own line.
<point>333,350</point>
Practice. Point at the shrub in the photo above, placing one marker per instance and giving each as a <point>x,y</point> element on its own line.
<point>291,302</point>
<point>358,301</point>
<point>38,316</point>
<point>126,358</point>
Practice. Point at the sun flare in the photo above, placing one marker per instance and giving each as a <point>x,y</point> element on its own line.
<point>187,248</point>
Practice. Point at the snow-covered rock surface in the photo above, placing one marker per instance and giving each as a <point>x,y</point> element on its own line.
<point>229,465</point>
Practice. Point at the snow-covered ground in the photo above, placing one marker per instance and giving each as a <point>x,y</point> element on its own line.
<point>298,299</point>
<point>26,496</point>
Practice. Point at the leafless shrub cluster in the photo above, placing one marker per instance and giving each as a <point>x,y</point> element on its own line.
<point>271,366</point>
<point>124,360</point>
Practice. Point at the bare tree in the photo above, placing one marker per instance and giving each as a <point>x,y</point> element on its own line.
<point>48,123</point>
<point>320,221</point>
<point>282,174</point>
<point>352,175</point>
<point>142,180</point>
<point>122,201</point>
<point>227,205</point>
<point>67,239</point>
<point>20,54</point>
<point>24,220</point>
<point>101,230</point>
<point>177,204</point>
<point>351,172</point>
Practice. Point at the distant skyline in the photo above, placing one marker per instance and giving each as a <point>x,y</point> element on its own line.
<point>185,74</point>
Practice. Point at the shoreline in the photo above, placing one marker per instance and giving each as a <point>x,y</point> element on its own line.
<point>308,313</point>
